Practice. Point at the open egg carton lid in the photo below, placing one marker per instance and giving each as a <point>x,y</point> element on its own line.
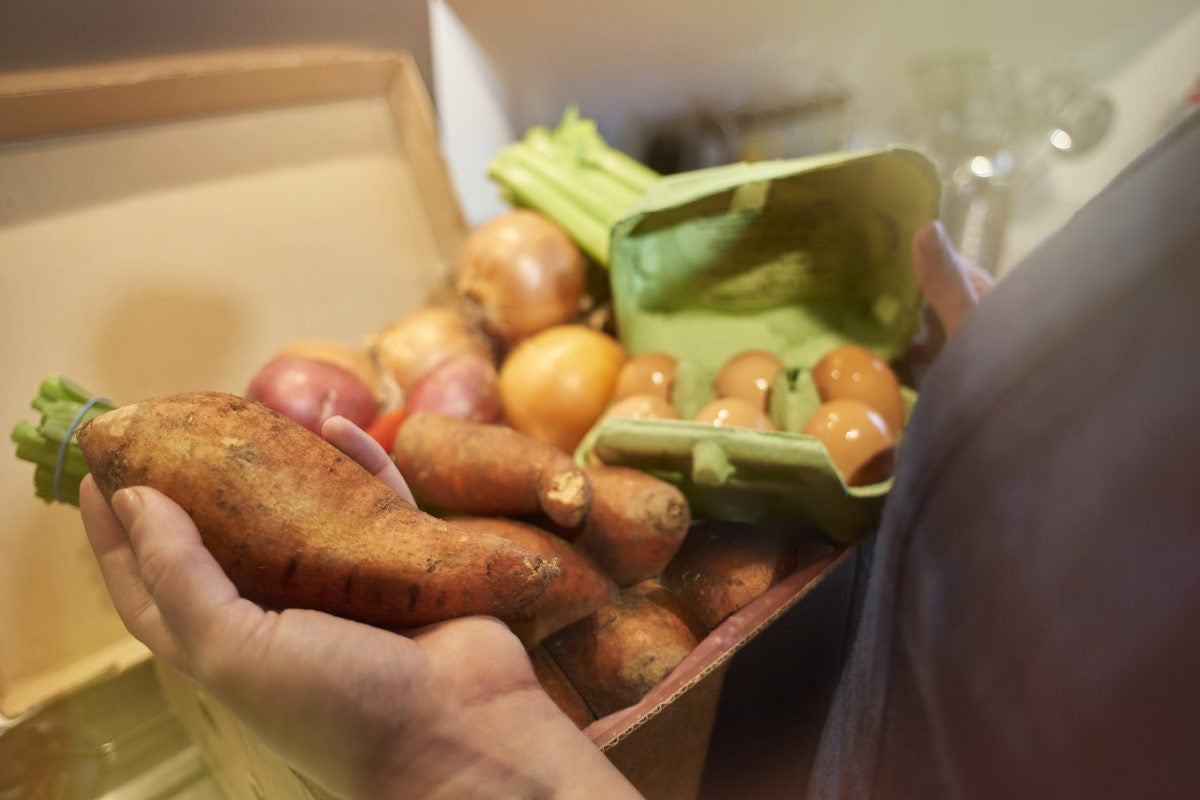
<point>795,257</point>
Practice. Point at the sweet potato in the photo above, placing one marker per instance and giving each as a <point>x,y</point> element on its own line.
<point>579,588</point>
<point>296,523</point>
<point>615,655</point>
<point>472,468</point>
<point>722,566</point>
<point>564,695</point>
<point>637,523</point>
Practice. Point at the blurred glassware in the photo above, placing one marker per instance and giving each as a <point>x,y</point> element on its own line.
<point>990,126</point>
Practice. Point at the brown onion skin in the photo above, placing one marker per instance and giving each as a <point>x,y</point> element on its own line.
<point>414,345</point>
<point>518,273</point>
<point>310,391</point>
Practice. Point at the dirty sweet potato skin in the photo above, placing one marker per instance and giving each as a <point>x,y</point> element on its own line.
<point>295,523</point>
<point>617,654</point>
<point>723,566</point>
<point>578,588</point>
<point>463,467</point>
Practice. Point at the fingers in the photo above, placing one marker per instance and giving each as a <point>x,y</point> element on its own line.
<point>166,586</point>
<point>354,442</point>
<point>949,283</point>
<point>188,586</point>
<point>122,575</point>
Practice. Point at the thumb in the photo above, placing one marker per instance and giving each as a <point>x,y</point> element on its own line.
<point>188,588</point>
<point>949,283</point>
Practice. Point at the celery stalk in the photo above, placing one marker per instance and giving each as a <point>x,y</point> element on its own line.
<point>58,468</point>
<point>524,189</point>
<point>570,174</point>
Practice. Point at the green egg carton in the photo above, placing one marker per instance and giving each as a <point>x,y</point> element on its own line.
<point>794,257</point>
<point>747,475</point>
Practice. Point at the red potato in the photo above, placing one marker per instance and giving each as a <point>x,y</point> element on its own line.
<point>356,359</point>
<point>310,391</point>
<point>295,523</point>
<point>637,523</point>
<point>723,566</point>
<point>472,468</point>
<point>462,386</point>
<point>579,588</point>
<point>617,654</point>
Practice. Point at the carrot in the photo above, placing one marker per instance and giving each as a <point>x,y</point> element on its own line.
<point>579,588</point>
<point>295,523</point>
<point>462,467</point>
<point>637,523</point>
<point>617,654</point>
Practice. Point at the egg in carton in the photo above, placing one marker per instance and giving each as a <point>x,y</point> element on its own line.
<point>795,257</point>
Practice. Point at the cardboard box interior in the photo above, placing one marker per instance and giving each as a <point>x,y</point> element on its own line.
<point>167,225</point>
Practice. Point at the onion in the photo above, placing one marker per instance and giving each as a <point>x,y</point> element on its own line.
<point>311,391</point>
<point>412,346</point>
<point>518,274</point>
<point>556,384</point>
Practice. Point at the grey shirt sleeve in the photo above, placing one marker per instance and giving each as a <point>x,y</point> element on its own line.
<point>1032,623</point>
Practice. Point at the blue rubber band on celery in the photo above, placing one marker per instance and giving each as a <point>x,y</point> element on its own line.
<point>66,443</point>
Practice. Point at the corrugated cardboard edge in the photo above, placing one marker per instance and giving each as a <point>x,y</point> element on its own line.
<point>55,102</point>
<point>713,652</point>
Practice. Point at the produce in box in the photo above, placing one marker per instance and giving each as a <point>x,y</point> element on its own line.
<point>563,383</point>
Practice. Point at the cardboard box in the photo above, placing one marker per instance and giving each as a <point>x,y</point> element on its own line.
<point>166,225</point>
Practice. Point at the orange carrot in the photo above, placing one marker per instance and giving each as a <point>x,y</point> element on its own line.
<point>462,467</point>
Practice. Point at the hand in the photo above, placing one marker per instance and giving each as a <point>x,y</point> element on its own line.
<point>952,287</point>
<point>451,710</point>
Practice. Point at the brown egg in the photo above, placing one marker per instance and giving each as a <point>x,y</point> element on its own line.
<point>646,373</point>
<point>851,371</point>
<point>636,406</point>
<point>641,406</point>
<point>748,375</point>
<point>859,442</point>
<point>734,412</point>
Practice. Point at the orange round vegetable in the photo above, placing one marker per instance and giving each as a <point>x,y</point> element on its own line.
<point>519,273</point>
<point>556,384</point>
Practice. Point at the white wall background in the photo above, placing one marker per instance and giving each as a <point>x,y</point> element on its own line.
<point>500,67</point>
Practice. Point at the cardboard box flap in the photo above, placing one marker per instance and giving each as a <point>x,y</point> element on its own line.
<point>145,91</point>
<point>168,225</point>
